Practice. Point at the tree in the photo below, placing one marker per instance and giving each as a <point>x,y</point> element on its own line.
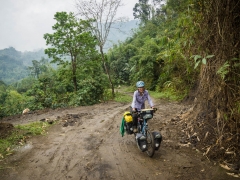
<point>142,11</point>
<point>3,93</point>
<point>38,67</point>
<point>145,10</point>
<point>71,38</point>
<point>102,15</point>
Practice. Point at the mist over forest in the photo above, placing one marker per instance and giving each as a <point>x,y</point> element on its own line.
<point>14,64</point>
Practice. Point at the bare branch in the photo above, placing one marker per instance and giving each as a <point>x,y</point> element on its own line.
<point>103,12</point>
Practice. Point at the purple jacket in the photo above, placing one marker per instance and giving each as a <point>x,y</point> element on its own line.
<point>139,101</point>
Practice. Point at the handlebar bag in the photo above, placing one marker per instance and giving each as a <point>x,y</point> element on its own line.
<point>147,113</point>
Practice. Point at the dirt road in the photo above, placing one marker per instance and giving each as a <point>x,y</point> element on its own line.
<point>86,144</point>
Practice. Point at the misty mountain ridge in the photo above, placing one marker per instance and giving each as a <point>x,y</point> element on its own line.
<point>120,32</point>
<point>14,64</point>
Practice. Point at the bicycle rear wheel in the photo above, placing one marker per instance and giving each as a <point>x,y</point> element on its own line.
<point>150,144</point>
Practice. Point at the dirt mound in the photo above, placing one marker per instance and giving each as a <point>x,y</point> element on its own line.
<point>204,133</point>
<point>5,129</point>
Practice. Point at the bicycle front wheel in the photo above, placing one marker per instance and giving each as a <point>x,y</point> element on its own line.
<point>150,144</point>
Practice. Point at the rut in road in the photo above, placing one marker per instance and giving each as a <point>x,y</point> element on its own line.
<point>90,147</point>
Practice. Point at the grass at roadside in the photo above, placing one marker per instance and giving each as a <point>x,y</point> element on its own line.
<point>170,95</point>
<point>124,98</point>
<point>124,94</point>
<point>35,128</point>
<point>19,135</point>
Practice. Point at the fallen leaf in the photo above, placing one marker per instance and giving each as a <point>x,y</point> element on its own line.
<point>233,175</point>
<point>225,167</point>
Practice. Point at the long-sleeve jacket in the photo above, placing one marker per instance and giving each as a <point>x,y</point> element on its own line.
<point>139,100</point>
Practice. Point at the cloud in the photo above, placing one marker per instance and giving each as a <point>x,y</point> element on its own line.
<point>24,22</point>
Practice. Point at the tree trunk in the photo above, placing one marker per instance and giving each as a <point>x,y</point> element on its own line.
<point>74,78</point>
<point>106,69</point>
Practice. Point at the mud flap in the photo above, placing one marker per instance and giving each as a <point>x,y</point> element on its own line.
<point>141,142</point>
<point>157,139</point>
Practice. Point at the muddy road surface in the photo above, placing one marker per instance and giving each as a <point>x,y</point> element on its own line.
<point>86,144</point>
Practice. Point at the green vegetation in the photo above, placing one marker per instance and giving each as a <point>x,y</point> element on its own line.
<point>7,144</point>
<point>35,128</point>
<point>101,16</point>
<point>14,64</point>
<point>163,53</point>
<point>11,69</point>
<point>124,98</point>
<point>168,94</point>
<point>124,94</point>
<point>182,48</point>
<point>18,136</point>
<point>71,38</point>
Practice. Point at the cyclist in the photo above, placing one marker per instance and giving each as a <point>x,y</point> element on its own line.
<point>138,102</point>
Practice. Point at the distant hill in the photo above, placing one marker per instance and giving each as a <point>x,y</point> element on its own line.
<point>14,64</point>
<point>120,32</point>
<point>28,56</point>
<point>11,68</point>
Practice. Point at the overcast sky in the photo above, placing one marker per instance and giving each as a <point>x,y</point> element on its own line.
<point>24,22</point>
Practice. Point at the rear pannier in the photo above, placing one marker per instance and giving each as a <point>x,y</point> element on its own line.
<point>157,139</point>
<point>128,124</point>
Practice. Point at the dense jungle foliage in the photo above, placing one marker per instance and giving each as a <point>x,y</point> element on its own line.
<point>187,48</point>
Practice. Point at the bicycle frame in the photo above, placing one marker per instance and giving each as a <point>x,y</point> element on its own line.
<point>143,126</point>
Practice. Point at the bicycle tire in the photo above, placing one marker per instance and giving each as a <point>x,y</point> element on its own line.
<point>150,144</point>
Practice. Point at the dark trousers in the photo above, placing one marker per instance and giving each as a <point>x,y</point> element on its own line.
<point>135,117</point>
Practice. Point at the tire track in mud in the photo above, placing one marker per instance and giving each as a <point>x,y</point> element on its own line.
<point>93,149</point>
<point>63,159</point>
<point>99,167</point>
<point>127,160</point>
<point>66,152</point>
<point>92,139</point>
<point>172,161</point>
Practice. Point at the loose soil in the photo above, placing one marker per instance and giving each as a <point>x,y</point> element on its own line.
<point>86,144</point>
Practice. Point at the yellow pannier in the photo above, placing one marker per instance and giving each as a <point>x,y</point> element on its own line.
<point>128,117</point>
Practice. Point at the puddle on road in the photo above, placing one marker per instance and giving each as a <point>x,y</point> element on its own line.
<point>23,148</point>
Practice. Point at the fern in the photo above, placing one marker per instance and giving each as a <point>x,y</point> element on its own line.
<point>223,70</point>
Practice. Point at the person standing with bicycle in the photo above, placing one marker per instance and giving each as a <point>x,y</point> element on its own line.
<point>138,102</point>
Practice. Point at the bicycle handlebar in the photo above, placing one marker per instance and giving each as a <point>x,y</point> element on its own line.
<point>141,111</point>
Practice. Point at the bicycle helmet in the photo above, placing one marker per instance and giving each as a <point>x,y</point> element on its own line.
<point>140,84</point>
